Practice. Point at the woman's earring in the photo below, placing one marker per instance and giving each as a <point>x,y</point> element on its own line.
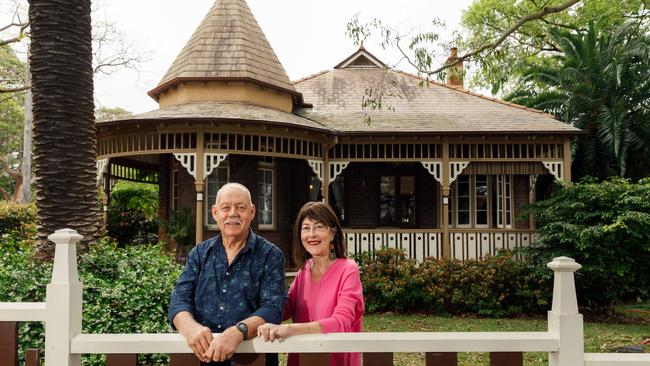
<point>332,253</point>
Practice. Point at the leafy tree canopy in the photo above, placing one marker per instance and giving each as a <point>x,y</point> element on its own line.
<point>531,44</point>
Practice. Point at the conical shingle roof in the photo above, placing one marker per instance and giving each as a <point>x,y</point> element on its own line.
<point>230,45</point>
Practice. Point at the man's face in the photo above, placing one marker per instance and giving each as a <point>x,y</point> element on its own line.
<point>234,213</point>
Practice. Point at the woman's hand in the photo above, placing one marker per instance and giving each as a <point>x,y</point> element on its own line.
<point>271,332</point>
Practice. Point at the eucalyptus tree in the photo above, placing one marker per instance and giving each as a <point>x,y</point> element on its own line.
<point>600,83</point>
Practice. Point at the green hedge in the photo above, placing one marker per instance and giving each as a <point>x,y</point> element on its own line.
<point>493,287</point>
<point>126,290</point>
<point>16,219</point>
<point>606,228</point>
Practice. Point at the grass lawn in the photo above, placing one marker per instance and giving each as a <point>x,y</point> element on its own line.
<point>599,337</point>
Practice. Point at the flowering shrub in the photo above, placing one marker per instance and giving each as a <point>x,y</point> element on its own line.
<point>492,287</point>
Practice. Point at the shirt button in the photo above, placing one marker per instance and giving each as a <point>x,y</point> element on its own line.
<point>227,273</point>
<point>224,290</point>
<point>220,307</point>
<point>219,326</point>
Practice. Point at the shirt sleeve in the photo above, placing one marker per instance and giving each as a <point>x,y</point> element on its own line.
<point>272,289</point>
<point>349,307</point>
<point>182,298</point>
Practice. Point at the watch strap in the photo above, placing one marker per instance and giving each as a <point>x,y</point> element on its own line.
<point>243,328</point>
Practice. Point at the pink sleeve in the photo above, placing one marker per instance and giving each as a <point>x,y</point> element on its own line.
<point>349,307</point>
<point>290,305</point>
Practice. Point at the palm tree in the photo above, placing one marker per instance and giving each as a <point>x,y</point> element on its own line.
<point>64,126</point>
<point>601,84</point>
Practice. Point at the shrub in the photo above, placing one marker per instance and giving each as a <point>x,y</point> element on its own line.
<point>16,218</point>
<point>606,228</point>
<point>126,290</point>
<point>132,216</point>
<point>492,287</point>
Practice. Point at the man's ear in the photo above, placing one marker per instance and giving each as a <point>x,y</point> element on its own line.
<point>214,212</point>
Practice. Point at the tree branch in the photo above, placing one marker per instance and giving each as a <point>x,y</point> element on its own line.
<point>14,89</point>
<point>535,16</point>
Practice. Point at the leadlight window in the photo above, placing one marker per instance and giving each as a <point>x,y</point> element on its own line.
<point>175,185</point>
<point>265,199</point>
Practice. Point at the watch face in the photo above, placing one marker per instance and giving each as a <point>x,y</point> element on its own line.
<point>243,328</point>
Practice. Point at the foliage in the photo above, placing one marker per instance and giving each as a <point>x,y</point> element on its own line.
<point>132,216</point>
<point>606,228</point>
<point>17,222</point>
<point>492,287</point>
<point>180,229</point>
<point>12,71</point>
<point>126,290</point>
<point>485,20</point>
<point>600,83</point>
<point>105,114</point>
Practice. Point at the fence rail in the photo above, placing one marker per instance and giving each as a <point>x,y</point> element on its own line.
<point>65,343</point>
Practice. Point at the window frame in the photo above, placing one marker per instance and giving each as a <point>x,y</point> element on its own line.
<point>398,207</point>
<point>209,202</point>
<point>267,166</point>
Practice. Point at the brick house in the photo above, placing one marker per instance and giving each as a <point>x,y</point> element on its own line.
<point>441,172</point>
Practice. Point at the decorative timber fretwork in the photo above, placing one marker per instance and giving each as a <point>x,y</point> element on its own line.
<point>555,167</point>
<point>145,143</point>
<point>132,174</point>
<point>188,161</point>
<point>336,168</point>
<point>455,168</point>
<point>101,165</point>
<point>386,152</point>
<point>434,168</point>
<point>249,144</point>
<point>531,183</point>
<point>532,151</point>
<point>212,161</point>
<point>317,167</point>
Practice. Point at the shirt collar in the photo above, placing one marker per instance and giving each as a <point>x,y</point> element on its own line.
<point>251,241</point>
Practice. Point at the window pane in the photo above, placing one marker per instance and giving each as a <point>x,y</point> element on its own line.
<point>463,217</point>
<point>387,204</point>
<point>481,194</point>
<point>215,181</point>
<point>265,196</point>
<point>407,200</point>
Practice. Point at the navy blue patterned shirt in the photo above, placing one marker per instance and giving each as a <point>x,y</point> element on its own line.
<point>220,295</point>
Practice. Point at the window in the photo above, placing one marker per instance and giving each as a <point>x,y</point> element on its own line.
<point>175,196</point>
<point>219,176</point>
<point>481,201</point>
<point>265,203</point>
<point>397,201</point>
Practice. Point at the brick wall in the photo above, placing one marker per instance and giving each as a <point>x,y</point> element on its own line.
<point>520,191</point>
<point>426,192</point>
<point>363,195</point>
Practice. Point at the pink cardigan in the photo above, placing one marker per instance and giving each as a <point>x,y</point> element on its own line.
<point>336,300</point>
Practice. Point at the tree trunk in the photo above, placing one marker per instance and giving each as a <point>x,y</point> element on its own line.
<point>64,125</point>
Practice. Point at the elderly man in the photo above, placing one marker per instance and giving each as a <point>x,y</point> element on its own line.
<point>231,283</point>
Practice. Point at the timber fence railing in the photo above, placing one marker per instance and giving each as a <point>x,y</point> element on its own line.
<point>65,343</point>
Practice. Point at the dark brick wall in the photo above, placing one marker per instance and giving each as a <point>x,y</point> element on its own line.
<point>520,192</point>
<point>362,184</point>
<point>426,191</point>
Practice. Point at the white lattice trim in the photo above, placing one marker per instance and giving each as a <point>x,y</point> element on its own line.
<point>455,168</point>
<point>434,168</point>
<point>212,161</point>
<point>101,165</point>
<point>317,167</point>
<point>532,182</point>
<point>337,168</point>
<point>188,161</point>
<point>556,168</point>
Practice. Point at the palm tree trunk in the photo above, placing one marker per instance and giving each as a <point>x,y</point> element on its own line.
<point>64,125</point>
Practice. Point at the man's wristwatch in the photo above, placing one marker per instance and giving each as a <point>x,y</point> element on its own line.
<point>243,328</point>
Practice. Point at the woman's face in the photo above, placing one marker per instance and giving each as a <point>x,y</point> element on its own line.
<point>316,237</point>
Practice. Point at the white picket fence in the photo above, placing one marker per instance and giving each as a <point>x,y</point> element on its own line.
<point>65,343</point>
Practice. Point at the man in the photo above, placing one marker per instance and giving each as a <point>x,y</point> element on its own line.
<point>231,283</point>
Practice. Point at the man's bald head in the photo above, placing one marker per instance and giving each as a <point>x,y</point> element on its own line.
<point>234,186</point>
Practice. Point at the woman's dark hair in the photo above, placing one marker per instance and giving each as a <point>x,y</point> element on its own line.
<point>323,213</point>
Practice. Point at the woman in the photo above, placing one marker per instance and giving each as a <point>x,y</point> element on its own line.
<point>326,296</point>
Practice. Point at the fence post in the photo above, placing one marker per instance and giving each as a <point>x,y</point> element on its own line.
<point>564,319</point>
<point>63,301</point>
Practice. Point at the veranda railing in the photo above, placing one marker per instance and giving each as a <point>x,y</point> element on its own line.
<point>64,342</point>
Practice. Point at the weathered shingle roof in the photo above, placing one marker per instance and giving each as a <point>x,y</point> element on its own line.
<point>228,44</point>
<point>337,96</point>
<point>224,111</point>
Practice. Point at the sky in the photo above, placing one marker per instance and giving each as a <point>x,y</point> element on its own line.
<point>308,36</point>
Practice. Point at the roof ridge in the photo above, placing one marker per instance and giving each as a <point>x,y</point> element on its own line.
<point>310,76</point>
<point>470,92</point>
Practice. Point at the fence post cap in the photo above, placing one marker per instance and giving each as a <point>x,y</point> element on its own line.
<point>65,236</point>
<point>564,264</point>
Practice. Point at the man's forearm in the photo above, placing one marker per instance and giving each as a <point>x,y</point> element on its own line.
<point>184,321</point>
<point>252,323</point>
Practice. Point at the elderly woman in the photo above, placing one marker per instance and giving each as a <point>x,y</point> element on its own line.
<point>326,296</point>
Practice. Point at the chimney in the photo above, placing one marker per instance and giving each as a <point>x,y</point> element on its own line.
<point>454,73</point>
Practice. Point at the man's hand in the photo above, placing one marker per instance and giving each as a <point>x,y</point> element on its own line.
<point>223,347</point>
<point>197,336</point>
